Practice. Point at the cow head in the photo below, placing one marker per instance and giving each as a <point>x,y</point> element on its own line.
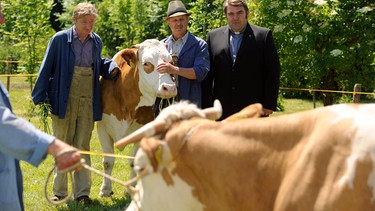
<point>170,133</point>
<point>154,154</point>
<point>151,53</point>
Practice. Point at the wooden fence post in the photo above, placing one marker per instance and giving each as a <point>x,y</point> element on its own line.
<point>314,99</point>
<point>356,97</point>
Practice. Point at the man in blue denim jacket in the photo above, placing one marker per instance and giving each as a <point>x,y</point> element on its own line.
<point>69,80</point>
<point>20,140</point>
<point>193,59</point>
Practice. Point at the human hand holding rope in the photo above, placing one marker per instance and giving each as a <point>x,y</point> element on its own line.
<point>69,160</point>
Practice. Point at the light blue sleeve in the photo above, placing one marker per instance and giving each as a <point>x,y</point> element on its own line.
<point>20,139</point>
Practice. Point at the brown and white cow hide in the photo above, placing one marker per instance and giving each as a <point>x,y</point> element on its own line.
<point>319,160</point>
<point>127,102</point>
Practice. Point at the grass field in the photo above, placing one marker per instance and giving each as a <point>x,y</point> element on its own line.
<point>34,178</point>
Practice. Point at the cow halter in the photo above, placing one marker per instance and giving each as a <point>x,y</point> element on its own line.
<point>190,132</point>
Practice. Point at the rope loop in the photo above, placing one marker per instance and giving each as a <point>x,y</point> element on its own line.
<point>64,200</point>
<point>127,184</point>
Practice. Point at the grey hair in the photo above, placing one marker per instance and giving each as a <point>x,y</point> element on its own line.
<point>83,9</point>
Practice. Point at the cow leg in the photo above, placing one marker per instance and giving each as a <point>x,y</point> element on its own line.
<point>108,162</point>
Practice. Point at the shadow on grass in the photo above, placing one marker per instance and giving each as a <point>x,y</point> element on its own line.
<point>113,204</point>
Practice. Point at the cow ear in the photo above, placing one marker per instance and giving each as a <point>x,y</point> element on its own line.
<point>153,150</point>
<point>129,56</point>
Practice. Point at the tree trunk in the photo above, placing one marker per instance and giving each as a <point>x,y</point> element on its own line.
<point>329,83</point>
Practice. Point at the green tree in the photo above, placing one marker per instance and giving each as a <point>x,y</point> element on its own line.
<point>322,44</point>
<point>205,16</point>
<point>114,25</point>
<point>56,11</point>
<point>26,30</point>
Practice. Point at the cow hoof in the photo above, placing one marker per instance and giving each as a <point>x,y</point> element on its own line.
<point>101,194</point>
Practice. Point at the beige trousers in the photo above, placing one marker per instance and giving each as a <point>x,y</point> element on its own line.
<point>76,129</point>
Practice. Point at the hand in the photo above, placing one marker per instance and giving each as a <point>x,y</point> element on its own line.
<point>166,68</point>
<point>67,161</point>
<point>115,73</point>
<point>65,155</point>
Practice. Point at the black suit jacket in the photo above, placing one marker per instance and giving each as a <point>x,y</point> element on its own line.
<point>253,78</point>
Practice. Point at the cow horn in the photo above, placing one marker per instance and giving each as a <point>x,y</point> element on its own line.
<point>147,130</point>
<point>215,112</point>
<point>157,127</point>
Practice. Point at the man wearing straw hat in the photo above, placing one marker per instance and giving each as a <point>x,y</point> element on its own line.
<point>193,61</point>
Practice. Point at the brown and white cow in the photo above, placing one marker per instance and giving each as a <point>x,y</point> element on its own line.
<point>323,159</point>
<point>127,102</point>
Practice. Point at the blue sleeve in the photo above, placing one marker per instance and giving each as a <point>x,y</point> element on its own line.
<point>20,139</point>
<point>39,93</point>
<point>107,66</point>
<point>202,61</point>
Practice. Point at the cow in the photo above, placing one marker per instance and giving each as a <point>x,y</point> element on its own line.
<point>127,102</point>
<point>320,160</point>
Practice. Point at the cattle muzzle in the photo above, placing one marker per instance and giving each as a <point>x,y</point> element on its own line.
<point>161,125</point>
<point>167,91</point>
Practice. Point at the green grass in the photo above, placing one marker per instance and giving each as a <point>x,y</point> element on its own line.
<point>297,105</point>
<point>34,178</point>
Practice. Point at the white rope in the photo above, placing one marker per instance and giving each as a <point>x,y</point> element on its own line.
<point>161,104</point>
<point>64,200</point>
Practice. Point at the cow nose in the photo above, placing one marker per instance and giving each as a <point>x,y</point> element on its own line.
<point>168,90</point>
<point>169,87</point>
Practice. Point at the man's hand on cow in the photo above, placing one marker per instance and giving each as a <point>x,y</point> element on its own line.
<point>115,73</point>
<point>167,68</point>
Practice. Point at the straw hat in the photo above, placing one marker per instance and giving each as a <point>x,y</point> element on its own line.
<point>176,8</point>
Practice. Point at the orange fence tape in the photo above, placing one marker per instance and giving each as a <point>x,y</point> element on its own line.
<point>18,75</point>
<point>281,88</point>
<point>322,90</point>
<point>10,61</point>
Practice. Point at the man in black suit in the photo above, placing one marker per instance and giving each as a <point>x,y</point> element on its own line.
<point>245,67</point>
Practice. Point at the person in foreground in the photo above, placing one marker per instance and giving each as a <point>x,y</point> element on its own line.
<point>245,67</point>
<point>191,53</point>
<point>20,140</point>
<point>68,81</point>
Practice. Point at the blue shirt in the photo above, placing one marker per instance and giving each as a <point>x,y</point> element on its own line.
<point>83,50</point>
<point>235,40</point>
<point>19,140</point>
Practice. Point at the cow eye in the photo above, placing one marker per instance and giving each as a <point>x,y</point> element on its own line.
<point>148,67</point>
